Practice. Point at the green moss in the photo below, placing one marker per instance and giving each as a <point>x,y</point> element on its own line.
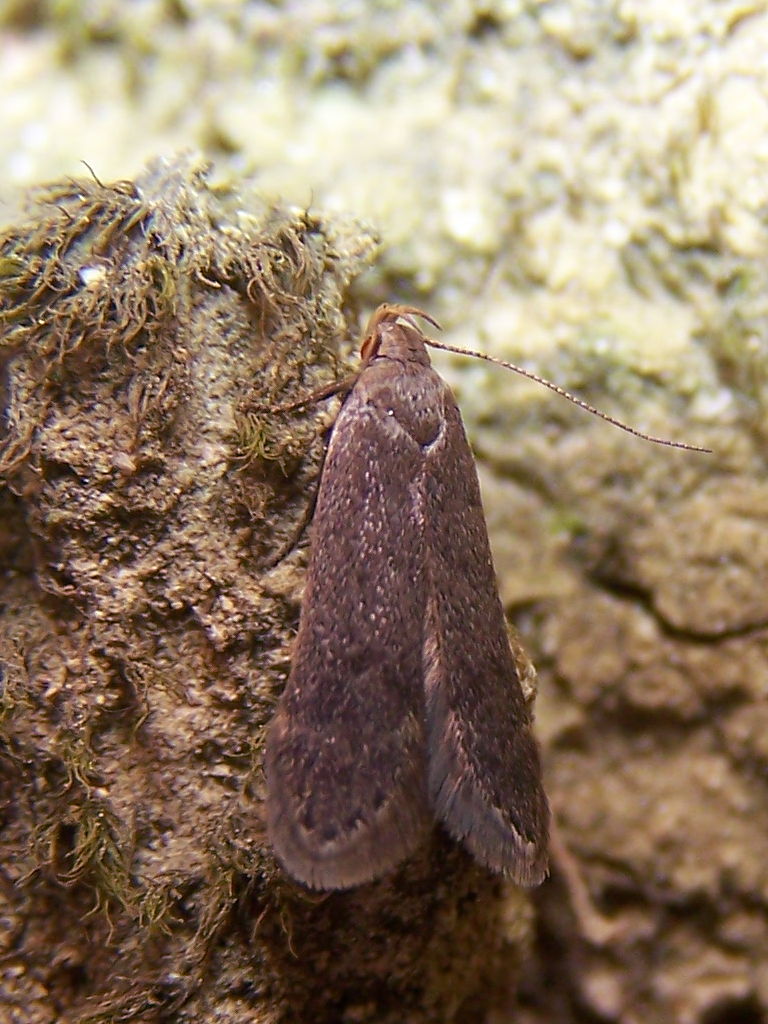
<point>99,855</point>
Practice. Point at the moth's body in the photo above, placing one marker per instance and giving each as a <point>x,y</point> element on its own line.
<point>403,702</point>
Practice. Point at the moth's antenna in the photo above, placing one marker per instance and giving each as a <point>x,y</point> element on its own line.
<point>566,394</point>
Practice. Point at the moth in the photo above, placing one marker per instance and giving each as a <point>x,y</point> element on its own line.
<point>404,703</point>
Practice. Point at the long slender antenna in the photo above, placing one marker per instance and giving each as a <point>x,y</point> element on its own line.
<point>566,394</point>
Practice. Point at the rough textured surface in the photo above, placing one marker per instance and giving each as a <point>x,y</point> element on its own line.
<point>147,330</point>
<point>580,184</point>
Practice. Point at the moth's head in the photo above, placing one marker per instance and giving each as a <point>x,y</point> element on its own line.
<point>389,313</point>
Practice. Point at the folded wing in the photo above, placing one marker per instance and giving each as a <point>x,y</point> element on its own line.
<point>346,751</point>
<point>484,767</point>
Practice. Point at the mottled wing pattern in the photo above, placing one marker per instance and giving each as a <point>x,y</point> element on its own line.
<point>484,769</point>
<point>346,751</point>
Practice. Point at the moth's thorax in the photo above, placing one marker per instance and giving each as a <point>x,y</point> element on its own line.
<point>400,384</point>
<point>401,342</point>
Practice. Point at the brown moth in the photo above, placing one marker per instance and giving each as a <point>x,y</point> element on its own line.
<point>404,704</point>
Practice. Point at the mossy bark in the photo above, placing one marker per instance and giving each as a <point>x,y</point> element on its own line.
<point>147,331</point>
